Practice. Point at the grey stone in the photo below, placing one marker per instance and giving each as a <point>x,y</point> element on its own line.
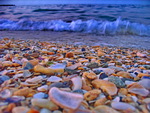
<point>117,81</point>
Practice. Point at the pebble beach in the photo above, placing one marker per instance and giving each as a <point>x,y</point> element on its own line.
<point>41,76</point>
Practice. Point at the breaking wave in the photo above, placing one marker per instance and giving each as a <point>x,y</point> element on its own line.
<point>117,27</point>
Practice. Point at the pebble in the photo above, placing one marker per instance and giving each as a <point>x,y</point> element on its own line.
<point>3,78</point>
<point>40,95</point>
<point>44,110</point>
<point>54,79</point>
<point>108,87</point>
<point>20,109</point>
<point>122,106</point>
<point>44,103</point>
<point>117,81</point>
<point>93,65</point>
<point>46,77</point>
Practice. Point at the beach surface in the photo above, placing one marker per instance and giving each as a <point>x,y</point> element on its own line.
<point>76,38</point>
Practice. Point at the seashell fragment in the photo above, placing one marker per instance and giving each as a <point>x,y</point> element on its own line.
<point>108,87</point>
<point>43,88</point>
<point>138,89</point>
<point>104,109</point>
<point>47,71</point>
<point>91,95</point>
<point>122,106</point>
<point>34,80</point>
<point>91,75</point>
<point>44,103</point>
<point>77,83</point>
<point>107,71</point>
<point>23,92</point>
<point>65,99</point>
<point>5,93</point>
<point>124,74</point>
<point>145,83</point>
<point>54,79</point>
<point>20,109</point>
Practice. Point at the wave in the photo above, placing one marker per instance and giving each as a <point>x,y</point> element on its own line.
<point>118,27</point>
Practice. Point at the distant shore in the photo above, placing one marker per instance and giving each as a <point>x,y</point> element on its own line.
<point>81,38</point>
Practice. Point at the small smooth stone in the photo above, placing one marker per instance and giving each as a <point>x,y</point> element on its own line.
<point>43,88</point>
<point>28,66</point>
<point>104,109</point>
<point>117,99</point>
<point>60,84</point>
<point>78,91</point>
<point>3,78</point>
<point>77,83</point>
<point>83,49</point>
<point>26,73</point>
<point>117,81</point>
<point>15,99</point>
<point>108,87</point>
<point>117,69</point>
<point>54,79</point>
<point>107,71</point>
<point>128,82</point>
<point>102,75</point>
<point>135,99</point>
<point>65,99</point>
<point>145,83</point>
<point>5,93</point>
<point>40,95</point>
<point>93,65</point>
<point>37,79</point>
<point>124,74</point>
<point>20,109</point>
<point>138,89</point>
<point>122,106</point>
<point>44,110</point>
<point>44,103</point>
<point>97,71</point>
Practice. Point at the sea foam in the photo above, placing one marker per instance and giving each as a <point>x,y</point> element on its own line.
<point>118,27</point>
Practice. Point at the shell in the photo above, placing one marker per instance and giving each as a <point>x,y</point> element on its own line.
<point>20,109</point>
<point>43,88</point>
<point>124,74</point>
<point>65,99</point>
<point>122,106</point>
<point>138,89</point>
<point>91,95</point>
<point>54,79</point>
<point>34,80</point>
<point>104,109</point>
<point>91,75</point>
<point>108,87</point>
<point>44,103</point>
<point>77,83</point>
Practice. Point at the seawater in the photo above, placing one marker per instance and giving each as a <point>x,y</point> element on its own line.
<point>94,19</point>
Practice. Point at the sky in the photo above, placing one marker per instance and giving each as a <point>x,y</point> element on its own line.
<point>38,2</point>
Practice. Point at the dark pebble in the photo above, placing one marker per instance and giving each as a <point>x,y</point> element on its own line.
<point>83,49</point>
<point>78,91</point>
<point>28,66</point>
<point>103,75</point>
<point>3,78</point>
<point>61,84</point>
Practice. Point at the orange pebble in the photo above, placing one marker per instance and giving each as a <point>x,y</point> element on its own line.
<point>33,111</point>
<point>50,53</point>
<point>69,54</point>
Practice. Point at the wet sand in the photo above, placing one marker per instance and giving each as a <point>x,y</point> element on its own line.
<point>81,38</point>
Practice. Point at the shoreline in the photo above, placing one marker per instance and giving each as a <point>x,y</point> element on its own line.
<point>76,38</point>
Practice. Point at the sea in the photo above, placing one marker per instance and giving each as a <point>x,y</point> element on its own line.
<point>99,19</point>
